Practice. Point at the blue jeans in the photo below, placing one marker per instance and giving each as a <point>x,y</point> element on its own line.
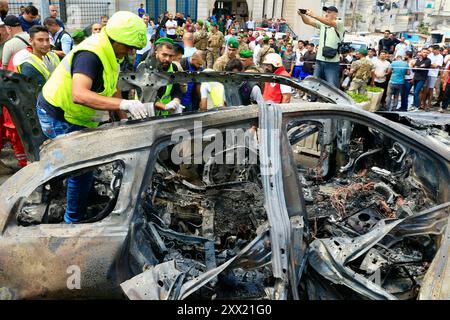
<point>328,71</point>
<point>393,90</point>
<point>405,94</point>
<point>78,186</point>
<point>297,72</point>
<point>418,85</point>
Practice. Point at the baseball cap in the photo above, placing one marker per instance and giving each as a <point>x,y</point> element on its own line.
<point>330,8</point>
<point>11,21</point>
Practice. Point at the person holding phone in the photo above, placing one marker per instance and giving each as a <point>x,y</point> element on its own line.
<point>331,35</point>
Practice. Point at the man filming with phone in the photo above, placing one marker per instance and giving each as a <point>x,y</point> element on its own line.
<point>331,36</point>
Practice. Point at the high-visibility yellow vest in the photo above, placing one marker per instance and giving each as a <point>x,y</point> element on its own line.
<point>58,89</point>
<point>216,94</point>
<point>45,66</point>
<point>166,98</point>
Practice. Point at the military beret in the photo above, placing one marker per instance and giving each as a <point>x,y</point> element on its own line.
<point>162,40</point>
<point>246,53</point>
<point>266,38</point>
<point>363,51</point>
<point>200,22</point>
<point>233,43</point>
<point>213,24</point>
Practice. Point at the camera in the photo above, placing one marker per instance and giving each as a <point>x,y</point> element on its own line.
<point>302,11</point>
<point>344,47</point>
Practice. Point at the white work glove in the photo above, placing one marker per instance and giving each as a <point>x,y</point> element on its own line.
<point>135,108</point>
<point>150,107</point>
<point>179,109</point>
<point>172,105</point>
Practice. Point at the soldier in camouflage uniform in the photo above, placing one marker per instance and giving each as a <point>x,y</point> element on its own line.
<point>247,61</point>
<point>242,44</point>
<point>215,43</point>
<point>265,50</point>
<point>231,53</point>
<point>200,36</point>
<point>361,70</point>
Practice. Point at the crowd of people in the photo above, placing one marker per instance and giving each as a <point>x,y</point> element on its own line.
<point>400,70</point>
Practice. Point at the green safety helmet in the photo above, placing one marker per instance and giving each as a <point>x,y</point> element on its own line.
<point>127,28</point>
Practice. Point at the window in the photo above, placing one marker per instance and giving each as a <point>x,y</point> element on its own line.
<point>47,204</point>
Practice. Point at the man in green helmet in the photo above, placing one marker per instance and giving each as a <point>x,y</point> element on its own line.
<point>83,89</point>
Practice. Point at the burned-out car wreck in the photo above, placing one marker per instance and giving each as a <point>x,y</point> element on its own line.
<point>328,201</point>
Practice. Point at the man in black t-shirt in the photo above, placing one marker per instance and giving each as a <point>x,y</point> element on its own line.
<point>386,43</point>
<point>421,66</point>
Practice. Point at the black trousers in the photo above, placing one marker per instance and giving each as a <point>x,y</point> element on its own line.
<point>383,85</point>
<point>446,101</point>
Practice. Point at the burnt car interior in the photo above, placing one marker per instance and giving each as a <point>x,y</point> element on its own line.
<point>351,193</point>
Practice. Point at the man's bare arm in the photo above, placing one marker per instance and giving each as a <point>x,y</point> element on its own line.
<point>307,20</point>
<point>321,19</point>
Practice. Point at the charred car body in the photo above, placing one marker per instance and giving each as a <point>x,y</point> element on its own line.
<point>339,203</point>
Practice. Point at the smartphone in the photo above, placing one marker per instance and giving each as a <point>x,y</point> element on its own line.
<point>302,11</point>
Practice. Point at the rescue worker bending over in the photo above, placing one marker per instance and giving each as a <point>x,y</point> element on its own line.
<point>169,97</point>
<point>82,90</point>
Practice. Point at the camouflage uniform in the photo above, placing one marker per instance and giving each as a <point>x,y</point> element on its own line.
<point>265,50</point>
<point>215,43</point>
<point>200,40</point>
<point>243,46</point>
<point>362,72</point>
<point>221,63</point>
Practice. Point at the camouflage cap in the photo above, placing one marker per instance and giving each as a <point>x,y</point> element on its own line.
<point>246,54</point>
<point>233,43</point>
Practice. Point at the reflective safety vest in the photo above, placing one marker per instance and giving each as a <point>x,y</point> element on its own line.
<point>166,98</point>
<point>58,89</point>
<point>272,91</point>
<point>216,94</point>
<point>45,66</point>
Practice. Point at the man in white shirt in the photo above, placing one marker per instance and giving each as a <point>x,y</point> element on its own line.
<point>229,23</point>
<point>437,60</point>
<point>401,48</point>
<point>299,53</point>
<point>257,48</point>
<point>380,72</point>
<point>171,27</point>
<point>372,55</point>
<point>251,24</point>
